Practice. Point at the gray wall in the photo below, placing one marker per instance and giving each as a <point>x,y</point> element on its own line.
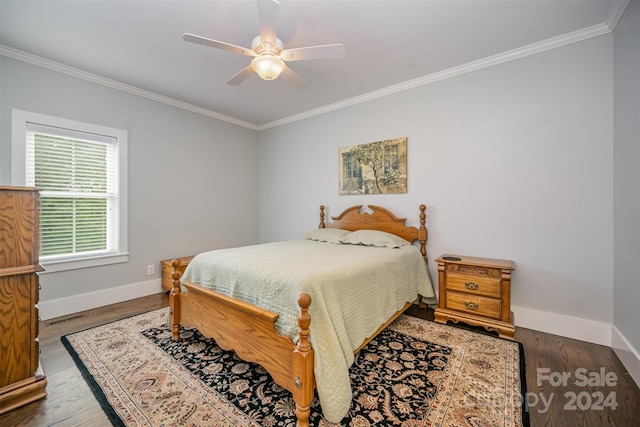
<point>513,161</point>
<point>626,297</point>
<point>192,179</point>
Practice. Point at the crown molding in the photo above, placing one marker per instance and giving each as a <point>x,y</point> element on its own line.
<point>114,84</point>
<point>616,12</point>
<point>532,49</point>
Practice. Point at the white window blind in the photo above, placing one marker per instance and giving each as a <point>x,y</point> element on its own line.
<point>77,173</point>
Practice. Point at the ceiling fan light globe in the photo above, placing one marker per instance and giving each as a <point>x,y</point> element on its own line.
<point>268,67</point>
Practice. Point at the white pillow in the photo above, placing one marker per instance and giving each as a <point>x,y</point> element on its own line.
<point>374,238</point>
<point>331,235</point>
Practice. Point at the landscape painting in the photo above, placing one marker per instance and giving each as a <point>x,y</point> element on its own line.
<point>374,168</point>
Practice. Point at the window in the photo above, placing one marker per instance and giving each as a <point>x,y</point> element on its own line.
<point>351,165</point>
<point>81,172</point>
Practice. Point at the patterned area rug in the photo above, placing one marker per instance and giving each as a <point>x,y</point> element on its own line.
<point>415,373</point>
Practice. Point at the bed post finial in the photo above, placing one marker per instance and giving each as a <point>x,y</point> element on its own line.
<point>321,217</point>
<point>303,365</point>
<point>304,321</point>
<point>174,300</point>
<point>422,232</point>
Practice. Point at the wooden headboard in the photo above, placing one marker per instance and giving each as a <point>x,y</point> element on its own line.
<point>380,219</point>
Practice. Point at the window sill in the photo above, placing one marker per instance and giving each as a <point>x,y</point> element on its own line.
<point>73,264</point>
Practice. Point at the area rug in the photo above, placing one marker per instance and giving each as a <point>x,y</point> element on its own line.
<point>415,373</point>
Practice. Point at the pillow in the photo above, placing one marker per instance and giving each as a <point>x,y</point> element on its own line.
<point>374,238</point>
<point>331,235</point>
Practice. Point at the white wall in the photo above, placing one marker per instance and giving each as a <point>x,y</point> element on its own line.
<point>513,161</point>
<point>626,297</point>
<point>192,181</point>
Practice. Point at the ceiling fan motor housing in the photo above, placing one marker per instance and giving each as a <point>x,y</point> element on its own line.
<point>266,47</point>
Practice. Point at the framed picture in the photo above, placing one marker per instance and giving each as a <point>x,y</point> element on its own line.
<point>374,168</point>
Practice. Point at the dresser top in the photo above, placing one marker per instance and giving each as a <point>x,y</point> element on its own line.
<point>484,262</point>
<point>8,188</point>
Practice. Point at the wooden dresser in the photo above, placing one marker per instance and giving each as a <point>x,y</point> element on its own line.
<point>476,291</point>
<point>22,379</point>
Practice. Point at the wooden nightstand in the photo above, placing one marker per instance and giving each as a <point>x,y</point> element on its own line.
<point>476,291</point>
<point>167,270</point>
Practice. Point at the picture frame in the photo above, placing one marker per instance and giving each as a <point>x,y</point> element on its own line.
<point>374,168</point>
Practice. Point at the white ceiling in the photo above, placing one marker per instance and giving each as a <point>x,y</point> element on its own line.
<point>389,45</point>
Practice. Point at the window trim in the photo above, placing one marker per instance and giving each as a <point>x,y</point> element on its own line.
<point>19,120</point>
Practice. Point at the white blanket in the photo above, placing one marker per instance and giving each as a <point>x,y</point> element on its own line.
<point>354,290</point>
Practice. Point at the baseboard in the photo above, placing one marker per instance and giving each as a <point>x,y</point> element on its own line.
<point>626,353</point>
<point>565,326</point>
<point>552,323</point>
<point>584,330</point>
<point>76,303</point>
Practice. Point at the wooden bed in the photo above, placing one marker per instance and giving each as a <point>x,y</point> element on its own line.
<point>250,331</point>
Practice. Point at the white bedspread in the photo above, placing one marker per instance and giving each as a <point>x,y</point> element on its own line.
<point>354,290</point>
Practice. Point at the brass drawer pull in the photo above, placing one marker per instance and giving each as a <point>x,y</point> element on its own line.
<point>471,286</point>
<point>471,305</point>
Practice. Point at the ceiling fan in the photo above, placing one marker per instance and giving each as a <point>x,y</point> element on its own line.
<point>267,50</point>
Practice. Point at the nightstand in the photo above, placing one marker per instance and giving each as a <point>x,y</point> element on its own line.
<point>167,271</point>
<point>476,291</point>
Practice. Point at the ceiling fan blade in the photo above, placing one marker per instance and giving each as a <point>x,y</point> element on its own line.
<point>327,51</point>
<point>192,38</point>
<point>268,11</point>
<point>241,76</point>
<point>289,75</point>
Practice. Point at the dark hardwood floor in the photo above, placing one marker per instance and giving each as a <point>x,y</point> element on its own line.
<point>71,403</point>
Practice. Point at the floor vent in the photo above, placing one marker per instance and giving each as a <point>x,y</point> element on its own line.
<point>66,319</point>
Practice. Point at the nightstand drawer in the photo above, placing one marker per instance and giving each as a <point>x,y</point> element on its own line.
<point>476,285</point>
<point>481,306</point>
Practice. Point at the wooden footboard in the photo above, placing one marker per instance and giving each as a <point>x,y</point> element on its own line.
<point>250,332</point>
